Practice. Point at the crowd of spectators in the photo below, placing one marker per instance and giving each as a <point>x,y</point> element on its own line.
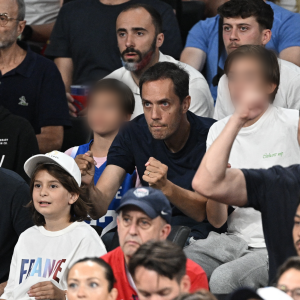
<point>187,186</point>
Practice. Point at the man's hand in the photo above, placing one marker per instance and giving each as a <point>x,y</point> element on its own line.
<point>250,106</point>
<point>46,290</point>
<point>156,174</point>
<point>72,108</point>
<point>86,164</point>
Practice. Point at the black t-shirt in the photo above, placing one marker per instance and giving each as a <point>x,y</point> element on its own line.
<point>17,142</point>
<point>134,145</point>
<point>14,217</point>
<point>85,31</point>
<point>275,193</point>
<point>35,91</point>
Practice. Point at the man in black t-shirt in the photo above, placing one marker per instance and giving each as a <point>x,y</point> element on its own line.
<point>14,217</point>
<point>274,192</point>
<point>84,41</point>
<point>165,144</point>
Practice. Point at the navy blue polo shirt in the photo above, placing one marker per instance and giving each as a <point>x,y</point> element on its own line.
<point>35,91</point>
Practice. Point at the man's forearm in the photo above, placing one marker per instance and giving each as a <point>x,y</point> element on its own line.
<point>41,33</point>
<point>217,213</point>
<point>190,203</point>
<point>50,138</point>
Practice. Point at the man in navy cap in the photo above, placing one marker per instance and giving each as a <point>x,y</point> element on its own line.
<point>144,214</point>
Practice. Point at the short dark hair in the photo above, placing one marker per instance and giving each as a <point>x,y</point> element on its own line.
<point>198,295</point>
<point>123,92</point>
<point>291,263</point>
<point>164,257</point>
<point>262,11</point>
<point>267,58</point>
<point>155,15</point>
<point>109,275</point>
<point>79,210</point>
<point>168,70</point>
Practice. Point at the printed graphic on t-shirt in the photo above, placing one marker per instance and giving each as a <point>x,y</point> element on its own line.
<point>41,267</point>
<point>268,155</point>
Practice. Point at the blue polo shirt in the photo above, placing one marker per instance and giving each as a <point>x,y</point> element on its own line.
<point>35,91</point>
<point>205,35</point>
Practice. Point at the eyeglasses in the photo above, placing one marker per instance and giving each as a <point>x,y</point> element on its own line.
<point>295,293</point>
<point>4,18</point>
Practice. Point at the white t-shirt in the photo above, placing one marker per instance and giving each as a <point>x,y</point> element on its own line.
<point>288,95</point>
<point>287,4</point>
<point>202,103</point>
<point>42,255</point>
<point>271,141</point>
<point>40,12</point>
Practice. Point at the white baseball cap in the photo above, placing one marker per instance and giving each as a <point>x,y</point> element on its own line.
<point>57,158</point>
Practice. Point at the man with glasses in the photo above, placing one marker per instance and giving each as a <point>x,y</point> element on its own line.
<point>30,85</point>
<point>144,214</point>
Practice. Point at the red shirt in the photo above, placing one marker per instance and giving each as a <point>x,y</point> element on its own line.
<point>116,260</point>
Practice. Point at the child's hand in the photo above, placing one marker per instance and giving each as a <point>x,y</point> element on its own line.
<point>46,290</point>
<point>86,164</point>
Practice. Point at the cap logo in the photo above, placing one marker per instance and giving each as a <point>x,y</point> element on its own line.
<point>140,193</point>
<point>164,213</point>
<point>53,154</point>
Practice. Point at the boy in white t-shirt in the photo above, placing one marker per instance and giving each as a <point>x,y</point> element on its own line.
<point>239,258</point>
<point>45,252</point>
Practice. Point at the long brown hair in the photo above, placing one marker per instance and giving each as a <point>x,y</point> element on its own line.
<point>79,209</point>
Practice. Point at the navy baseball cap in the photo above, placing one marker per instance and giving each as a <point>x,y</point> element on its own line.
<point>151,201</point>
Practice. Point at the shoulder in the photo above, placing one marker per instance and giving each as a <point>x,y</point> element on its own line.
<point>160,6</point>
<point>31,232</point>
<point>218,126</point>
<point>8,177</point>
<point>287,115</point>
<point>112,256</point>
<point>193,269</point>
<point>281,14</point>
<point>85,230</point>
<point>74,6</point>
<point>45,65</point>
<point>201,123</point>
<point>288,69</point>
<point>208,25</point>
<point>118,74</point>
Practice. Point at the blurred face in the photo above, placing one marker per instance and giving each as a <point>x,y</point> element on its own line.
<point>50,198</point>
<point>289,282</point>
<point>104,113</point>
<point>152,286</point>
<point>136,228</point>
<point>238,32</point>
<point>87,280</point>
<point>296,231</point>
<point>10,32</point>
<point>246,74</point>
<point>162,108</point>
<point>137,39</point>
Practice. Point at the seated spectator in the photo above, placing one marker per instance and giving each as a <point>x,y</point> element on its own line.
<point>292,5</point>
<point>44,252</point>
<point>271,138</point>
<point>288,277</point>
<point>31,86</point>
<point>84,42</point>
<point>288,95</point>
<point>110,104</point>
<point>199,295</point>
<point>14,218</point>
<point>144,214</point>
<point>139,33</point>
<point>274,191</point>
<point>40,19</point>
<point>17,142</point>
<point>158,269</point>
<point>165,145</point>
<point>91,279</point>
<point>204,43</point>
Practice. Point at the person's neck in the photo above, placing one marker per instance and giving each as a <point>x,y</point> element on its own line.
<point>253,121</point>
<point>136,75</point>
<point>102,143</point>
<point>113,2</point>
<point>57,223</point>
<point>178,140</point>
<point>11,57</point>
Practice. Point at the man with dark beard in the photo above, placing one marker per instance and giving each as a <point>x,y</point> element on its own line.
<point>139,34</point>
<point>30,85</point>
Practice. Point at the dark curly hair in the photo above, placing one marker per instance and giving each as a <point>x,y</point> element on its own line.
<point>79,209</point>
<point>262,11</point>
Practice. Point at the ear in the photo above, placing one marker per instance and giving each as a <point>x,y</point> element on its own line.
<point>21,26</point>
<point>128,117</point>
<point>160,40</point>
<point>165,231</point>
<point>113,294</point>
<point>185,284</point>
<point>266,36</point>
<point>186,104</point>
<point>272,87</point>
<point>73,198</point>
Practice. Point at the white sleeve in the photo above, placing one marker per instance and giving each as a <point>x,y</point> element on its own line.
<point>202,103</point>
<point>293,97</point>
<point>210,137</point>
<point>223,106</point>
